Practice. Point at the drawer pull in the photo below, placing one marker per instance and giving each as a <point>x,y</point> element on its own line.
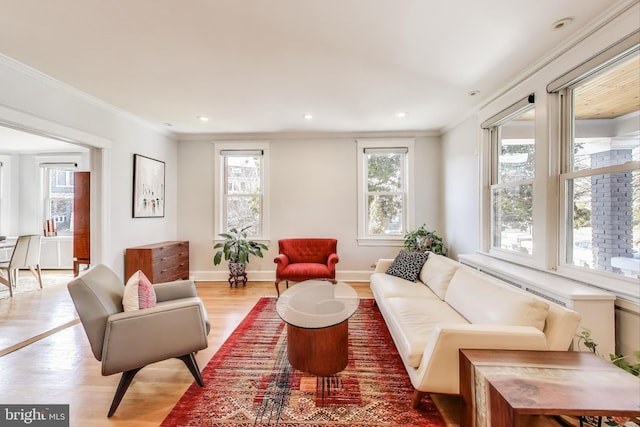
<point>164,271</point>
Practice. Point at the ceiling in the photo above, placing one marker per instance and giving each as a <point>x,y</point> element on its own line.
<point>260,65</point>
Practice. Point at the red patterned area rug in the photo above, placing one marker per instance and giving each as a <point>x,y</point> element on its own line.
<point>249,381</point>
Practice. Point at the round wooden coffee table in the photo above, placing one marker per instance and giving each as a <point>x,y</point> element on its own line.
<point>317,314</point>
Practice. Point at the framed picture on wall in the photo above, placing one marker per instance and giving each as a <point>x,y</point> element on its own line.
<point>148,187</point>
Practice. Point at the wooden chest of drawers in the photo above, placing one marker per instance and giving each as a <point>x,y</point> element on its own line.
<point>160,262</point>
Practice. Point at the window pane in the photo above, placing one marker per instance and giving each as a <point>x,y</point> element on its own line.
<point>243,174</point>
<point>516,149</point>
<point>512,210</point>
<point>605,122</point>
<point>605,232</point>
<point>244,211</point>
<point>385,172</point>
<point>385,214</point>
<point>59,199</point>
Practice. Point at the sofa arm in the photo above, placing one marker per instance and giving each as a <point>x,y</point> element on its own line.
<point>383,265</point>
<point>282,260</point>
<point>178,289</point>
<point>134,339</point>
<point>439,368</point>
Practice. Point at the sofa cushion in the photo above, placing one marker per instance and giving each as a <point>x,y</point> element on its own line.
<point>482,299</point>
<point>437,273</point>
<point>385,286</point>
<point>408,264</point>
<point>410,321</point>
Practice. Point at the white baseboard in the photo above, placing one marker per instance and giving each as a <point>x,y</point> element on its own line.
<point>270,276</point>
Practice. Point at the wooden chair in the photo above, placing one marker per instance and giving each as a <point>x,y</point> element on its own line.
<point>26,254</point>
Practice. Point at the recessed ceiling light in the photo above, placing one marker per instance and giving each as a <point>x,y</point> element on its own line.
<point>307,116</point>
<point>473,93</point>
<point>401,114</point>
<point>562,23</point>
<point>203,118</point>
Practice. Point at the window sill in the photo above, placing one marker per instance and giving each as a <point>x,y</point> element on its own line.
<point>372,241</point>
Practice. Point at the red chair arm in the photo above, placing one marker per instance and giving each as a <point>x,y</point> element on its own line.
<point>333,259</point>
<point>282,260</point>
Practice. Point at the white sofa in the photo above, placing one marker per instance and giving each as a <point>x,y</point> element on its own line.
<point>452,306</point>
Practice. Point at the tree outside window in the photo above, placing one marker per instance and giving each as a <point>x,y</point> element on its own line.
<point>512,182</point>
<point>385,193</point>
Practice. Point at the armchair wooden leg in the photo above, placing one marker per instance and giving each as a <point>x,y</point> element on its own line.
<point>278,288</point>
<point>123,385</point>
<point>190,361</point>
<point>417,397</point>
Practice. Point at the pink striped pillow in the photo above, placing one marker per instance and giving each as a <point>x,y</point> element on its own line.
<point>138,293</point>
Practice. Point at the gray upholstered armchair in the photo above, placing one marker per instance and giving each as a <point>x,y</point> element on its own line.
<point>127,341</point>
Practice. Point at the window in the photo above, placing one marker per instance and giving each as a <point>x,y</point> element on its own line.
<point>385,171</point>
<point>512,174</point>
<point>242,189</point>
<point>600,177</point>
<point>57,192</point>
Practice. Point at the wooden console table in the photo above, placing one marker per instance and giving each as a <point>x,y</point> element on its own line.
<point>501,387</point>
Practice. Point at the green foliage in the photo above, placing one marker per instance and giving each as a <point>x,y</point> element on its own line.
<point>237,247</point>
<point>622,362</point>
<point>422,240</point>
<point>617,359</point>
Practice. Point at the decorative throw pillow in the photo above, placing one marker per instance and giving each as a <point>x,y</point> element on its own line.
<point>138,293</point>
<point>407,265</point>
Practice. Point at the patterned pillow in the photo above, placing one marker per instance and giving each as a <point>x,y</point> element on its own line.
<point>407,265</point>
<point>138,293</point>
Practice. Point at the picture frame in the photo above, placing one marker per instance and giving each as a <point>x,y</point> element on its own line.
<point>148,187</point>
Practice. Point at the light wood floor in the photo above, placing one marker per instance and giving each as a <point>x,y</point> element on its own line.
<point>45,358</point>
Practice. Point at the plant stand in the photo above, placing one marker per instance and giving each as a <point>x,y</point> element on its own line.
<point>238,278</point>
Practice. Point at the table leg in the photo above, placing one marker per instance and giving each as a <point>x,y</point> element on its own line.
<point>501,414</point>
<point>467,381</point>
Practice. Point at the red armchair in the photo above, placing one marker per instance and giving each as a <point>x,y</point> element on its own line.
<point>305,259</point>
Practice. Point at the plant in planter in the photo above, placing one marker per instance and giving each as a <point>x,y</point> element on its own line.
<point>237,248</point>
<point>423,240</point>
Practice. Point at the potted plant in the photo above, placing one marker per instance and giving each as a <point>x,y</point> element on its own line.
<point>237,248</point>
<point>423,240</point>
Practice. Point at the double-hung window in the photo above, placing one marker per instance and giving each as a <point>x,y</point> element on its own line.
<point>57,190</point>
<point>242,188</point>
<point>385,198</point>
<point>512,174</point>
<point>600,164</point>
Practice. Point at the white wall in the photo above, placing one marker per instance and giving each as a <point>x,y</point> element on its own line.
<point>313,194</point>
<point>31,100</point>
<point>461,185</point>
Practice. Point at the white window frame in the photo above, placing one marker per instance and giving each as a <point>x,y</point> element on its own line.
<point>68,163</point>
<point>492,128</point>
<point>607,280</point>
<point>221,183</point>
<point>365,239</point>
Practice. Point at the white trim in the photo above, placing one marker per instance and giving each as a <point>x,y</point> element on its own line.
<point>361,144</point>
<point>100,168</point>
<point>220,146</point>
